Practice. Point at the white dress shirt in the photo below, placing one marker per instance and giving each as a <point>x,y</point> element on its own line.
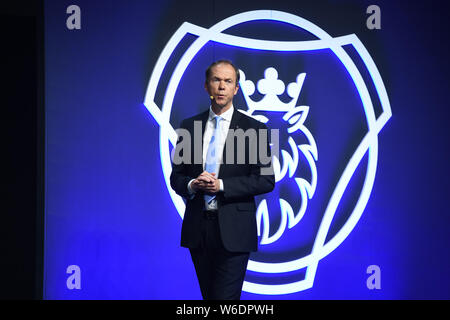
<point>224,125</point>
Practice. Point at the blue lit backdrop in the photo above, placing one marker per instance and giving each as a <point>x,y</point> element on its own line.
<point>108,209</point>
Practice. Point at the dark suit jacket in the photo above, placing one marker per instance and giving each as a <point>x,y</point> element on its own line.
<point>241,181</point>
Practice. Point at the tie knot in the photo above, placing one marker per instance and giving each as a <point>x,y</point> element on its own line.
<point>218,118</point>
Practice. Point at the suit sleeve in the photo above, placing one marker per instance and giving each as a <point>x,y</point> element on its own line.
<point>179,179</point>
<point>260,180</point>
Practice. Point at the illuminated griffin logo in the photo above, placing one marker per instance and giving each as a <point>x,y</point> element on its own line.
<point>271,87</point>
<point>282,268</point>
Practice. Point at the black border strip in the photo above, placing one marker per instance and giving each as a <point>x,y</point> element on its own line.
<point>40,149</point>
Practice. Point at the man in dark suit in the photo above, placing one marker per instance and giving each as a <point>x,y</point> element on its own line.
<point>219,176</point>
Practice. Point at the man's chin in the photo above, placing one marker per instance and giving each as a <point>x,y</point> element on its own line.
<point>222,104</point>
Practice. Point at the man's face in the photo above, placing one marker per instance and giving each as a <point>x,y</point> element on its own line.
<point>221,85</point>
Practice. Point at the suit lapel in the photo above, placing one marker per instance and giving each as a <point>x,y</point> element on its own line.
<point>198,158</point>
<point>234,124</point>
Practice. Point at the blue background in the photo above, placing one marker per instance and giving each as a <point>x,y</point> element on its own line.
<point>107,208</point>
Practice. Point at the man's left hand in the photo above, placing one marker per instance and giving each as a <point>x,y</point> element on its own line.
<point>211,187</point>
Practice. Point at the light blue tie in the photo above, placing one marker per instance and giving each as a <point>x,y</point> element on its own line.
<point>212,156</point>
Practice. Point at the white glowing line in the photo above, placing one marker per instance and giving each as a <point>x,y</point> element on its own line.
<point>292,163</point>
<point>278,289</point>
<point>311,188</point>
<point>369,143</point>
<point>278,171</point>
<point>285,211</point>
<point>262,212</point>
<point>162,61</point>
<point>302,186</point>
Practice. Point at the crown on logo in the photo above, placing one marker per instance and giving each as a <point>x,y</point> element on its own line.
<point>271,87</point>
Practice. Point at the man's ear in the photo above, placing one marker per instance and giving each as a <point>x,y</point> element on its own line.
<point>236,89</point>
<point>207,90</point>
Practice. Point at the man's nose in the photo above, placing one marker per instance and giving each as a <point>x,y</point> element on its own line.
<point>222,85</point>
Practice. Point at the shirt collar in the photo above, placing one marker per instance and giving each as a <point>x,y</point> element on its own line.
<point>227,115</point>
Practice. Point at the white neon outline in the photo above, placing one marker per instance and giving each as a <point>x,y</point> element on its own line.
<point>306,189</point>
<point>369,143</point>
